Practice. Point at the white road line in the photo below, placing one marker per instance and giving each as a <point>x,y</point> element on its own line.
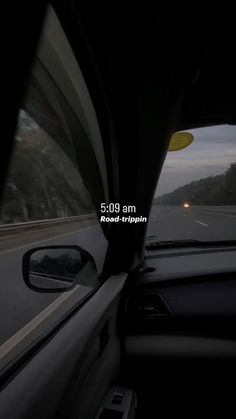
<point>29,327</point>
<point>46,240</point>
<point>200,222</point>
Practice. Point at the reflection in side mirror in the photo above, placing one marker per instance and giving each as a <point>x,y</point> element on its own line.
<point>53,268</point>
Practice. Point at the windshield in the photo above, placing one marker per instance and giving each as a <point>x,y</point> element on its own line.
<point>196,193</point>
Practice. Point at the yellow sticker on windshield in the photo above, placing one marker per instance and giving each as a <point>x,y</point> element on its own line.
<point>180,140</point>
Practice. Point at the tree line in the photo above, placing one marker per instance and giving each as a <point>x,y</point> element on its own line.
<point>42,182</point>
<point>212,190</point>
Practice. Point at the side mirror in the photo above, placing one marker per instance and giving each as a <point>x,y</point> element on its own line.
<point>55,268</point>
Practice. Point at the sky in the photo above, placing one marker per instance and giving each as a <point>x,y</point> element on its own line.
<point>211,153</point>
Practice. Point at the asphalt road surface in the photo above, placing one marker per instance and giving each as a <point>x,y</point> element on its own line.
<point>199,223</point>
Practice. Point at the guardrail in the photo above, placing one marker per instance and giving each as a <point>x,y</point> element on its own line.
<point>41,223</point>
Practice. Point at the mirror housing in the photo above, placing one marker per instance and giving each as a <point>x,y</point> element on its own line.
<point>55,268</point>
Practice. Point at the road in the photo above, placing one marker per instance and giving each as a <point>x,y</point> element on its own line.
<point>199,222</point>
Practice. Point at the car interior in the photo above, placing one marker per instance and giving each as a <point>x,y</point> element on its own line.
<point>153,331</point>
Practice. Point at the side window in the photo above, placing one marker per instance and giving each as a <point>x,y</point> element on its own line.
<point>47,210</point>
<point>44,180</point>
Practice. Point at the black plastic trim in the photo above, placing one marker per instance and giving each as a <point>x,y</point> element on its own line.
<point>14,367</point>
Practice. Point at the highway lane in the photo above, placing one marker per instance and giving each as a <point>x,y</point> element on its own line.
<point>18,304</point>
<point>200,223</point>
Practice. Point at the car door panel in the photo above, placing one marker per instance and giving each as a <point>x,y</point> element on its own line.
<point>64,370</point>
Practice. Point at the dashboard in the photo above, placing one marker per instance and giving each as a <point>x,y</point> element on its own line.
<point>188,290</point>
